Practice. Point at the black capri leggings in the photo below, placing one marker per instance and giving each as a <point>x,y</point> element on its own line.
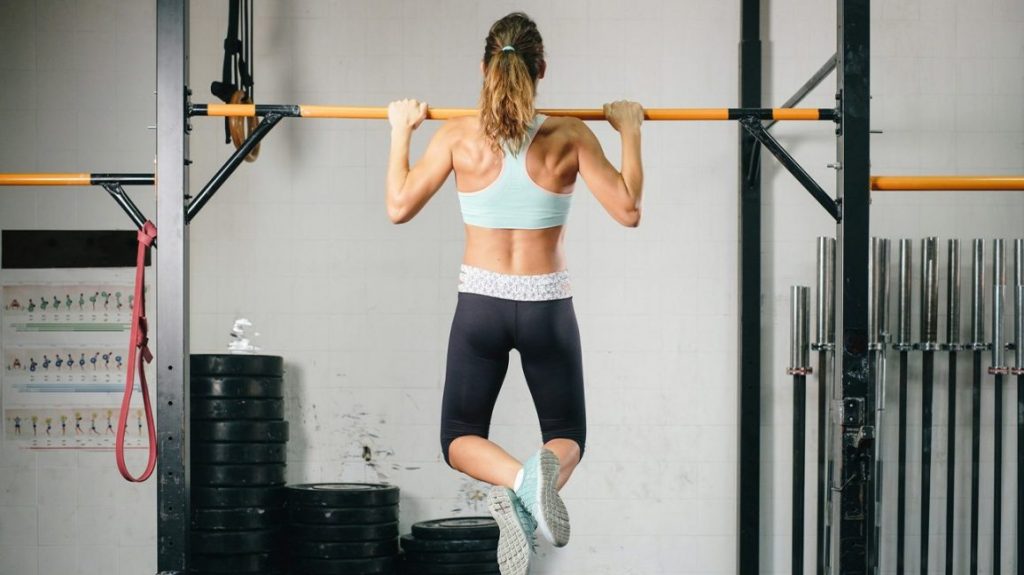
<point>547,337</point>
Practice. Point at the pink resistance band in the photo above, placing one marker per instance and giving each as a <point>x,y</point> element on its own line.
<point>139,341</point>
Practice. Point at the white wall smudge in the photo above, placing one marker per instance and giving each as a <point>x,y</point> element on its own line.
<point>472,497</point>
<point>364,446</point>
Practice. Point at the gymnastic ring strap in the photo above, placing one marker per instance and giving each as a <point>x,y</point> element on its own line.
<point>240,128</point>
<point>138,355</point>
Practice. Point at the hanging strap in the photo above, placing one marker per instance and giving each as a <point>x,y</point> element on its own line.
<point>139,342</point>
<point>232,49</point>
<point>236,72</point>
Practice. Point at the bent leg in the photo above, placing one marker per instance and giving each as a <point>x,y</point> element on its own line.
<point>549,344</point>
<point>568,453</point>
<point>481,337</point>
<point>483,460</point>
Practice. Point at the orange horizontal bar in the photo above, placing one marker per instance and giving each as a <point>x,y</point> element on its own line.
<point>796,114</point>
<point>377,113</point>
<point>946,183</point>
<point>225,110</point>
<point>45,179</point>
<point>381,113</point>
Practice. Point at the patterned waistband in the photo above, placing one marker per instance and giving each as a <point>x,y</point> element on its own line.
<point>543,287</point>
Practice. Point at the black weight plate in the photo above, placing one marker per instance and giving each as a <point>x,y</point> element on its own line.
<point>370,566</point>
<point>238,453</point>
<point>236,364</point>
<point>465,557</point>
<point>235,409</point>
<point>456,528</point>
<point>240,431</point>
<point>240,387</point>
<point>228,497</point>
<point>415,568</point>
<point>413,545</point>
<point>342,495</point>
<point>244,563</point>
<point>343,533</point>
<point>270,572</point>
<point>328,550</point>
<point>263,474</point>
<point>235,542</point>
<point>343,515</point>
<point>237,518</point>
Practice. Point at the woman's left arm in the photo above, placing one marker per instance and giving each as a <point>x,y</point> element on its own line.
<point>408,190</point>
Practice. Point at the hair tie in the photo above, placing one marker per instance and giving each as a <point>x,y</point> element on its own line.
<point>509,48</point>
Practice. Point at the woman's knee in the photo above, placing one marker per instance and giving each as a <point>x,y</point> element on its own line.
<point>447,440</point>
<point>577,440</point>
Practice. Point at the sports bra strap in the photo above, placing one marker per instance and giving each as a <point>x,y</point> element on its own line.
<point>531,131</point>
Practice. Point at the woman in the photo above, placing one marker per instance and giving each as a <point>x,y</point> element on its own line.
<point>515,172</point>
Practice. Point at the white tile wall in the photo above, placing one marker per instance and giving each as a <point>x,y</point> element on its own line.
<point>299,243</point>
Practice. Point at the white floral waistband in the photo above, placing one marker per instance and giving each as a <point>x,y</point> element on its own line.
<point>542,287</point>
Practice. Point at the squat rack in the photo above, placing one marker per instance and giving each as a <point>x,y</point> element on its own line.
<point>850,208</point>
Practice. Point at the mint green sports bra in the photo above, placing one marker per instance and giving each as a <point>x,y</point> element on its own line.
<point>514,200</point>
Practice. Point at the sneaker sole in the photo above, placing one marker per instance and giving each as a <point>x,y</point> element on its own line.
<point>553,519</point>
<point>513,547</point>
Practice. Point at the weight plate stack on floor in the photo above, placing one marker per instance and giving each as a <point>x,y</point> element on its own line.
<point>453,546</point>
<point>238,452</point>
<point>349,528</point>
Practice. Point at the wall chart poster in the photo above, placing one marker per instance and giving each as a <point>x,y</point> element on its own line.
<point>65,354</point>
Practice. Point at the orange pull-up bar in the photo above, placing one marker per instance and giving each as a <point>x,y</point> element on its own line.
<point>45,180</point>
<point>590,114</point>
<point>75,179</point>
<point>878,183</point>
<point>947,183</point>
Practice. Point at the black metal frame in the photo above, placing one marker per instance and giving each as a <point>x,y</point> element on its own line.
<point>813,82</point>
<point>850,209</point>
<point>230,166</point>
<point>173,552</point>
<point>117,192</point>
<point>854,371</point>
<point>756,129</point>
<point>749,472</point>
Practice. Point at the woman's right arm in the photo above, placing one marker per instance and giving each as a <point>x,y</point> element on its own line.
<point>618,192</point>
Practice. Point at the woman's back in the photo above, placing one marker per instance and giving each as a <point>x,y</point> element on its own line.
<point>550,163</point>
<point>551,160</point>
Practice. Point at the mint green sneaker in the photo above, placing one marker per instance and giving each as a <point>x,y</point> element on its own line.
<point>515,528</point>
<point>539,495</point>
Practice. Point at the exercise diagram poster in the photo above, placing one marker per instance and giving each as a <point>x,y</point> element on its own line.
<point>65,355</point>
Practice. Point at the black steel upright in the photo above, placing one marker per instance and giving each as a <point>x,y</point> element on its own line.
<point>172,287</point>
<point>854,370</point>
<point>750,299</point>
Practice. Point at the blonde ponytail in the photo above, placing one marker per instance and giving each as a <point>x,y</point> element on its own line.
<point>513,59</point>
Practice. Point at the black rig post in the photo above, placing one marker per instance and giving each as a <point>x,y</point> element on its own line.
<point>855,372</point>
<point>172,472</point>
<point>750,299</point>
